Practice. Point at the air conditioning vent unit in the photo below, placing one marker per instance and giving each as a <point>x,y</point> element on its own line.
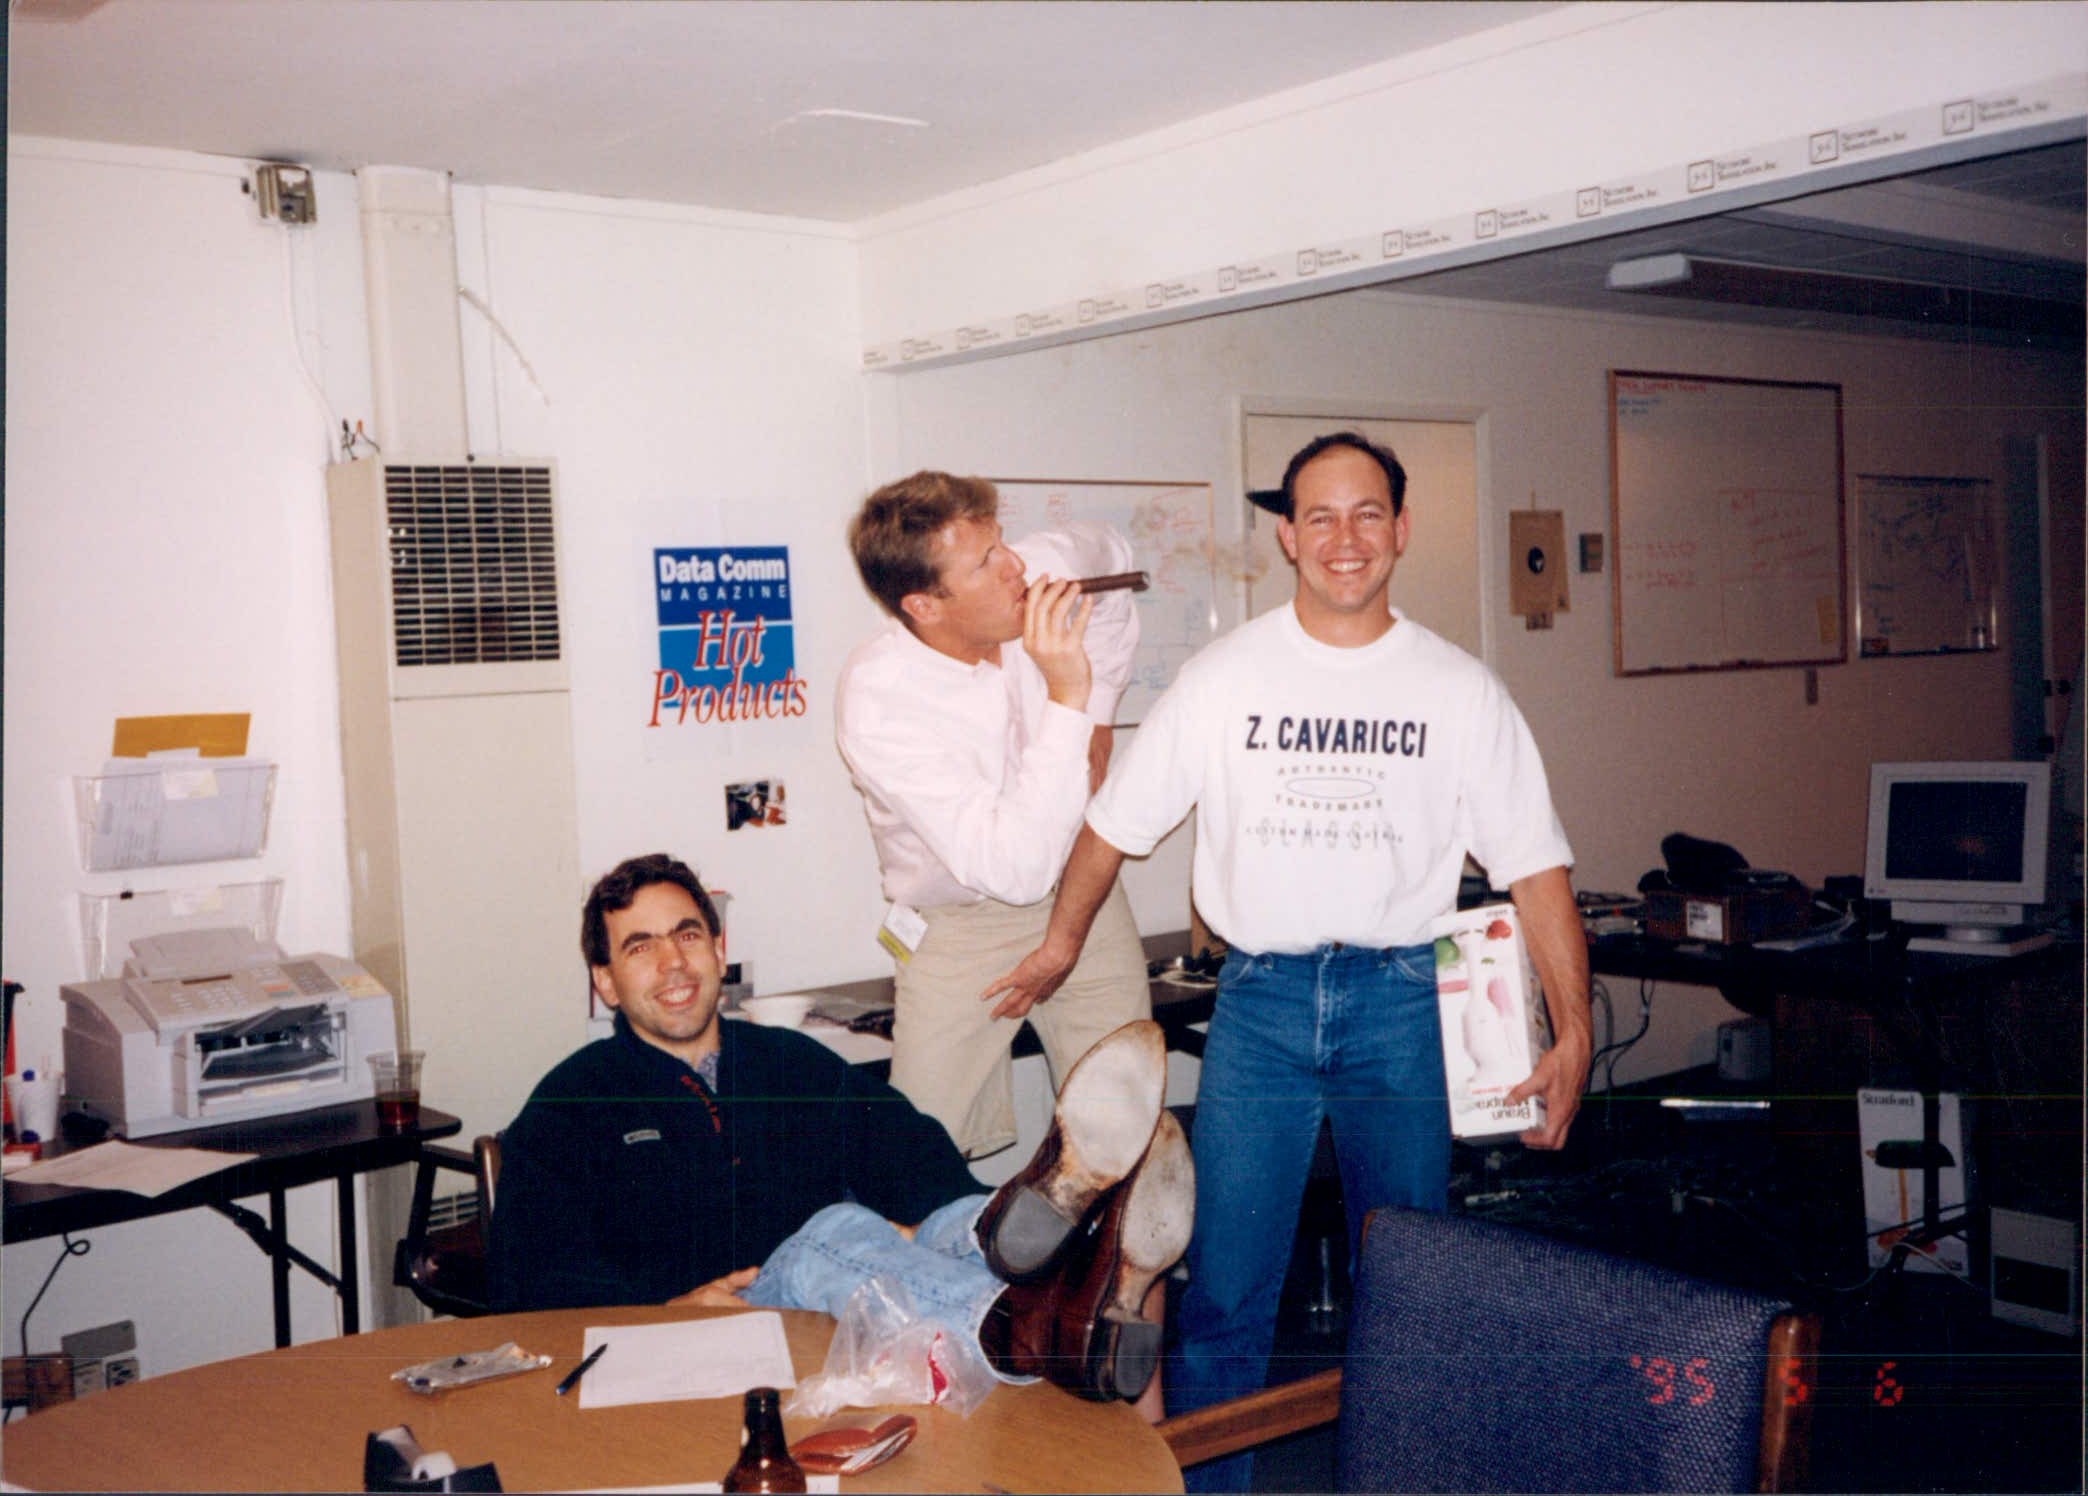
<point>455,567</point>
<point>457,749</point>
<point>474,564</point>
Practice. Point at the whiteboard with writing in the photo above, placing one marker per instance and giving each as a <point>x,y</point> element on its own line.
<point>1169,527</point>
<point>1726,517</point>
<point>1925,564</point>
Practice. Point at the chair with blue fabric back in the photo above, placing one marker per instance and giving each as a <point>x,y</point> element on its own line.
<point>1486,1358</point>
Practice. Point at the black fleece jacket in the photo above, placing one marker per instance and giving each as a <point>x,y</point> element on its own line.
<point>626,1180</point>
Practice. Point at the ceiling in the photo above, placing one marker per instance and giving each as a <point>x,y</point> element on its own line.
<point>822,109</point>
<point>839,110</point>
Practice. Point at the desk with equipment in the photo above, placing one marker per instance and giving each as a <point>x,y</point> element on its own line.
<point>1928,1066</point>
<point>296,1419</point>
<point>1984,1056</point>
<point>207,1036</point>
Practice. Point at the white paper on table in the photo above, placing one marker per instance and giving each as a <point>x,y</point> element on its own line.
<point>125,1166</point>
<point>687,1359</point>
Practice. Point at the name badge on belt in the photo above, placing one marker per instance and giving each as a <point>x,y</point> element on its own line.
<point>901,931</point>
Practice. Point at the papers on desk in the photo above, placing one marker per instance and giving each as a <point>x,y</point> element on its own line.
<point>125,1166</point>
<point>687,1359</point>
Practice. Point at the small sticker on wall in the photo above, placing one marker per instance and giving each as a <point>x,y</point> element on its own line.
<point>758,802</point>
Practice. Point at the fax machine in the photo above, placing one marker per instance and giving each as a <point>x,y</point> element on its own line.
<point>212,1026</point>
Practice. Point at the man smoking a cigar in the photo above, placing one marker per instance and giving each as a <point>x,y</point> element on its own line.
<point>976,725</point>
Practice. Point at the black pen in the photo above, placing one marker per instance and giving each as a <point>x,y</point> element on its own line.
<point>572,1378</point>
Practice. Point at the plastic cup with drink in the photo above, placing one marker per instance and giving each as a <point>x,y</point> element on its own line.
<point>396,1074</point>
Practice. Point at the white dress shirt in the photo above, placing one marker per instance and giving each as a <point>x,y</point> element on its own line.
<point>973,779</point>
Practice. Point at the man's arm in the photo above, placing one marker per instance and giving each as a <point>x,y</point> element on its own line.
<point>936,773</point>
<point>899,1161</point>
<point>1100,741</point>
<point>1090,873</point>
<point>1559,950</point>
<point>719,1293</point>
<point>542,1252</point>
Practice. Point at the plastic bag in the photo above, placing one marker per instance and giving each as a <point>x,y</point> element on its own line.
<point>446,1372</point>
<point>884,1351</point>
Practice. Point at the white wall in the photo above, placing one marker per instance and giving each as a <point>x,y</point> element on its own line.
<point>166,552</point>
<point>1736,755</point>
<point>694,378</point>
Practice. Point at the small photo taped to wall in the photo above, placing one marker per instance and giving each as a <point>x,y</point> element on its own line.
<point>758,802</point>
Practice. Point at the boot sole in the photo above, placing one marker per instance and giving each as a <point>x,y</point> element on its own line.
<point>1158,1216</point>
<point>1105,1118</point>
<point>1127,1354</point>
<point>1105,1115</point>
<point>1028,1237</point>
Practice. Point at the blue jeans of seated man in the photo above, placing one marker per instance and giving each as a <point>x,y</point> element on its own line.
<point>844,1246</point>
<point>1342,1033</point>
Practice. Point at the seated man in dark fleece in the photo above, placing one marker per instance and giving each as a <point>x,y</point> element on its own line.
<point>656,1165</point>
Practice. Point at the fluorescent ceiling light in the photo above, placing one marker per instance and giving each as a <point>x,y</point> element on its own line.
<point>1738,283</point>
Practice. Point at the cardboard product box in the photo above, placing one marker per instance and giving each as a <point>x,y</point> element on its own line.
<point>1888,1129</point>
<point>1493,1017</point>
<point>1736,918</point>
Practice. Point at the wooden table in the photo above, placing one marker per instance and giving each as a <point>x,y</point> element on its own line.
<point>295,1419</point>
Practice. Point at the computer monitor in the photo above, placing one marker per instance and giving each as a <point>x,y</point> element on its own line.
<point>1960,845</point>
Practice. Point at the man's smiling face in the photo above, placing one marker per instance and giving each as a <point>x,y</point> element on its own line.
<point>664,973</point>
<point>1345,540</point>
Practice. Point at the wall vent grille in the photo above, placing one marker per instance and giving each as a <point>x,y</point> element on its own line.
<point>445,1212</point>
<point>474,564</point>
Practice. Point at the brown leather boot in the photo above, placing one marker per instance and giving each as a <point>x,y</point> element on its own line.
<point>1081,1327</point>
<point>1140,1233</point>
<point>1099,1130</point>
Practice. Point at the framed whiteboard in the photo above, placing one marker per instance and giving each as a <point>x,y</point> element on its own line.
<point>1169,526</point>
<point>1926,565</point>
<point>1726,519</point>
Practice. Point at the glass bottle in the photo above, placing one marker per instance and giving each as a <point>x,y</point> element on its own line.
<point>764,1463</point>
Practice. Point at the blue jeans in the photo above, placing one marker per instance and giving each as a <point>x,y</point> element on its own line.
<point>1343,1033</point>
<point>844,1246</point>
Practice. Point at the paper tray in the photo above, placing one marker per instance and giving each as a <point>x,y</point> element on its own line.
<point>160,812</point>
<point>109,922</point>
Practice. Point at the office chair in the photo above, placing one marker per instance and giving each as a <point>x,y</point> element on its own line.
<point>1486,1358</point>
<point>34,1383</point>
<point>445,1266</point>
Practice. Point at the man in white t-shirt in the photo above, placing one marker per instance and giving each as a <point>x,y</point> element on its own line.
<point>976,725</point>
<point>1341,761</point>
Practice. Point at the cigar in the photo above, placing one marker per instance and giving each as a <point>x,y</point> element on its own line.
<point>1122,581</point>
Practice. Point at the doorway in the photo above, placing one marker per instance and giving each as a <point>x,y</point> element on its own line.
<point>1437,581</point>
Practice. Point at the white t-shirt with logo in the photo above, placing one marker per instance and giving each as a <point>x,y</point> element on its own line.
<point>1336,790</point>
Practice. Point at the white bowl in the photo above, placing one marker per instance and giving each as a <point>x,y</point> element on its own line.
<point>778,1011</point>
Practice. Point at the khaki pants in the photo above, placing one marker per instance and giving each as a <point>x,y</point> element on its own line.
<point>950,1056</point>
